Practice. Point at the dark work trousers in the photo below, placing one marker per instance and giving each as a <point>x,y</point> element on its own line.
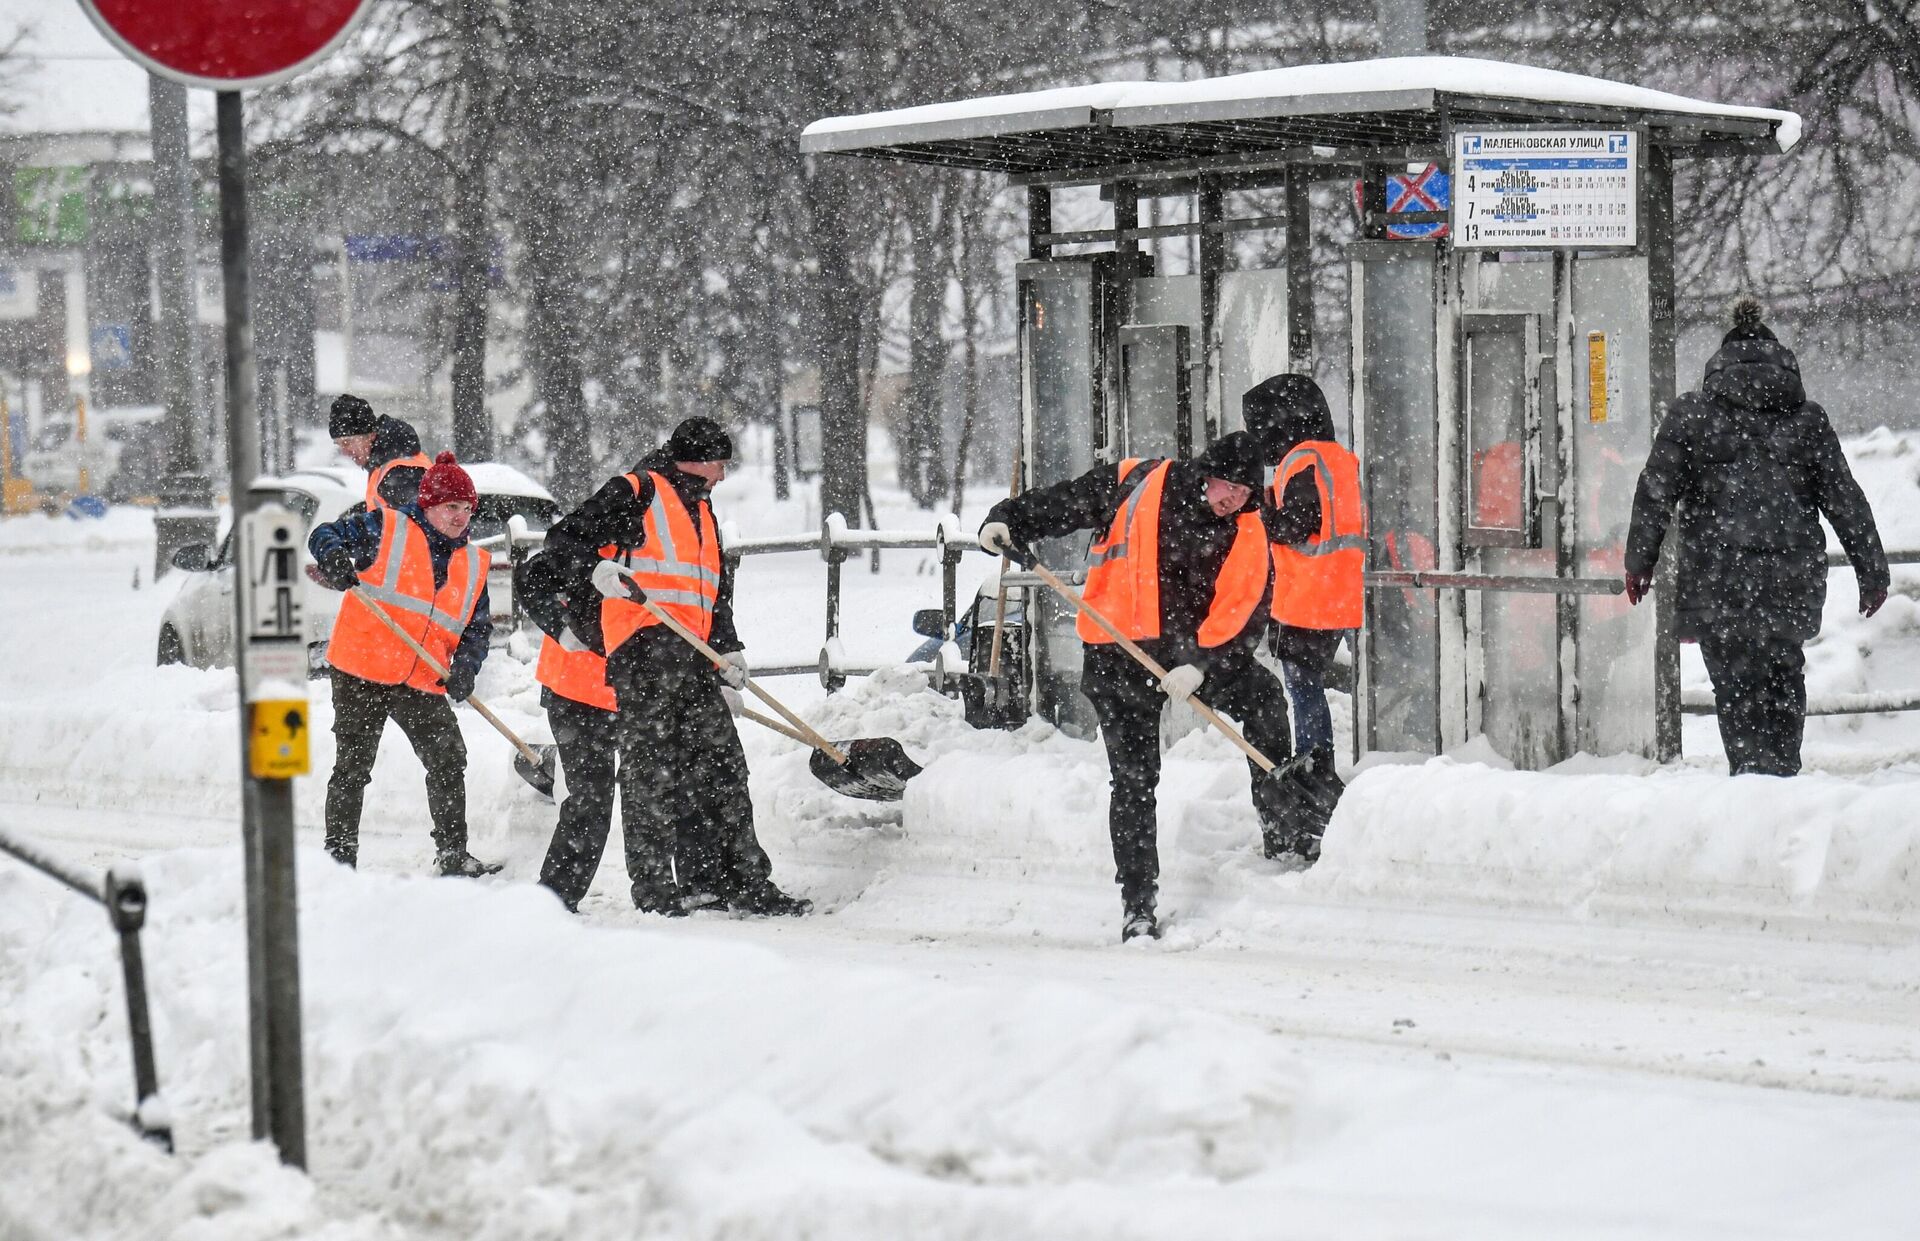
<point>1305,657</point>
<point>1760,695</point>
<point>1127,700</point>
<point>683,773</point>
<point>588,739</point>
<point>360,713</point>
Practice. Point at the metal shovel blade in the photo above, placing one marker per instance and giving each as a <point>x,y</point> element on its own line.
<point>877,769</point>
<point>539,776</point>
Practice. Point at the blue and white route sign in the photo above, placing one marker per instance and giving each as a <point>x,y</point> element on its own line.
<point>1519,189</point>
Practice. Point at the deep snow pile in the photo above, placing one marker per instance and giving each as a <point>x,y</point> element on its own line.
<point>481,1064</point>
<point>1649,844</point>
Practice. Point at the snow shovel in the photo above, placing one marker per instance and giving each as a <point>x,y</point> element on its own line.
<point>870,768</point>
<point>535,767</point>
<point>1302,763</point>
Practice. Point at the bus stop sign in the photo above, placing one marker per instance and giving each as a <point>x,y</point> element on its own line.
<point>226,44</point>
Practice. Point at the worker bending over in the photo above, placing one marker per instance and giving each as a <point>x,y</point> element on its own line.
<point>683,773</point>
<point>1182,568</point>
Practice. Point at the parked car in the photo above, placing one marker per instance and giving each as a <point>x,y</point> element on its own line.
<point>197,628</point>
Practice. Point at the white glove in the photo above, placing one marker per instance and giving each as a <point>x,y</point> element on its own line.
<point>734,701</point>
<point>613,581</point>
<point>996,538</point>
<point>734,670</point>
<point>569,641</point>
<point>1180,683</point>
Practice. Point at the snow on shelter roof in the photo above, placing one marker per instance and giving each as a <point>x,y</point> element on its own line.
<point>1355,107</point>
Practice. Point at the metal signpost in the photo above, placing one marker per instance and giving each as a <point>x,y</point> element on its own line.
<point>1519,189</point>
<point>229,46</point>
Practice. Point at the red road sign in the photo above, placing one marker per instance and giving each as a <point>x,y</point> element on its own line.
<point>225,44</point>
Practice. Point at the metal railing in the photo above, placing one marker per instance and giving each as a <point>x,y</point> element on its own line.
<point>1872,702</point>
<point>837,543</point>
<point>124,896</point>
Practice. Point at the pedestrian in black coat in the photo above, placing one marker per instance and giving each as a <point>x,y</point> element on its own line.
<point>1749,465</point>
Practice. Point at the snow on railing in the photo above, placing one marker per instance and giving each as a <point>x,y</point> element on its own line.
<point>123,894</point>
<point>837,543</point>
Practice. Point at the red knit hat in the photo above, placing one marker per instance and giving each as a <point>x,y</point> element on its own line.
<point>445,481</point>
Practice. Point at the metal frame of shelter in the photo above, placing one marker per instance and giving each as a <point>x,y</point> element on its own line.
<point>1209,143</point>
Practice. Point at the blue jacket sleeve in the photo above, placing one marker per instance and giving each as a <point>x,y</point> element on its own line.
<point>474,639</point>
<point>358,536</point>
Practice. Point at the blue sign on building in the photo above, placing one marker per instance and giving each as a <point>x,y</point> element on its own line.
<point>112,346</point>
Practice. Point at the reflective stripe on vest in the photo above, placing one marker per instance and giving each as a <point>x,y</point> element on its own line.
<point>379,473</point>
<point>677,565</point>
<point>400,581</point>
<point>577,675</point>
<point>1123,571</point>
<point>1319,584</point>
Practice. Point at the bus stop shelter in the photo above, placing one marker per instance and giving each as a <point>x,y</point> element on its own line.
<point>1510,347</point>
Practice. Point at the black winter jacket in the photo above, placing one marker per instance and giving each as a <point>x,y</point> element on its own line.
<point>616,514</point>
<point>392,440</point>
<point>1750,466</point>
<point>1193,546</point>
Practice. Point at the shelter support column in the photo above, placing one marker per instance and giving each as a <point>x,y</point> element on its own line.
<point>1213,255</point>
<point>1657,179</point>
<point>1039,221</point>
<point>1299,271</point>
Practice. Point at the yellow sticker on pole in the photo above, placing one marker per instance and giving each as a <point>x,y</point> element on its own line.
<point>277,735</point>
<point>1596,376</point>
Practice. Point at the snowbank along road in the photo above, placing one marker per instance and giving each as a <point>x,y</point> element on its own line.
<point>1603,1001</point>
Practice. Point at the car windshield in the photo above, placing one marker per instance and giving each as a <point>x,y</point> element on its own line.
<point>491,519</point>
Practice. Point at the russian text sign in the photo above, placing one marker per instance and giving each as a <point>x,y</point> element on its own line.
<point>1517,189</point>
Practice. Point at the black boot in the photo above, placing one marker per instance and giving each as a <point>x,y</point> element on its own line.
<point>767,901</point>
<point>1137,916</point>
<point>658,894</point>
<point>459,864</point>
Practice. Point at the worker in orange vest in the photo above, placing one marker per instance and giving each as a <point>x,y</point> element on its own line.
<point>415,565</point>
<point>584,715</point>
<point>386,448</point>
<point>1181,567</point>
<point>683,773</point>
<point>1316,519</point>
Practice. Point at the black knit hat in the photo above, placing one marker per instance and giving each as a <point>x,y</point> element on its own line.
<point>1746,317</point>
<point>1284,409</point>
<point>350,416</point>
<point>1235,458</point>
<point>700,439</point>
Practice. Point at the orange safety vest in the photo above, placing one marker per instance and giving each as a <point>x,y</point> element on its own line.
<point>578,675</point>
<point>400,579</point>
<point>1123,569</point>
<point>678,565</point>
<point>379,473</point>
<point>1319,584</point>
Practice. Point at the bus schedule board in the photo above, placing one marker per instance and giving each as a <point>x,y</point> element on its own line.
<point>1519,189</point>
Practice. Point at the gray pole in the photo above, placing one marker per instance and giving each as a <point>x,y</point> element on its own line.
<point>266,806</point>
<point>185,514</point>
<point>1403,27</point>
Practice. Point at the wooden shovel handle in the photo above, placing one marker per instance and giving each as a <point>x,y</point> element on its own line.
<point>433,665</point>
<point>1151,665</point>
<point>812,738</point>
<point>767,721</point>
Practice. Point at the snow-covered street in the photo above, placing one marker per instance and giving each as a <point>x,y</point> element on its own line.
<point>1605,1001</point>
